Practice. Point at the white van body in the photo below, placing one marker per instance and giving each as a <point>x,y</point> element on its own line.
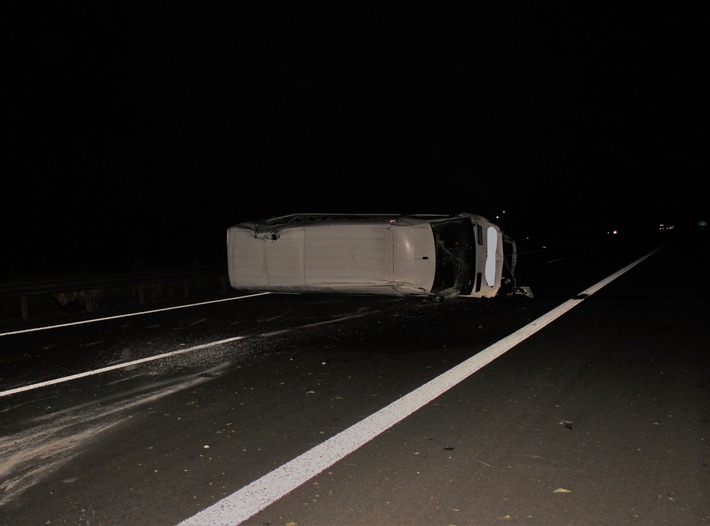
<point>391,254</point>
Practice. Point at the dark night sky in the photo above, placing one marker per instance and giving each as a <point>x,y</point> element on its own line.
<point>136,136</point>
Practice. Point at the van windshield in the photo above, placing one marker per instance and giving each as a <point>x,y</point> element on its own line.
<point>455,255</point>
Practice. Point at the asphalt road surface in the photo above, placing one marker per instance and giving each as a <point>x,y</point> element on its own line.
<point>588,404</point>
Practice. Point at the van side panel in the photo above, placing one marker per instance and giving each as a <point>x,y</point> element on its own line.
<point>415,256</point>
<point>359,258</point>
<point>348,255</point>
<point>284,259</point>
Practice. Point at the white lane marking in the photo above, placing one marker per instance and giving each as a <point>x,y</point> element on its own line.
<point>114,367</point>
<point>251,499</point>
<point>141,313</point>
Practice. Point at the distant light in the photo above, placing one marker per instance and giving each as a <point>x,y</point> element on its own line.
<point>613,232</point>
<point>663,226</point>
<point>702,223</point>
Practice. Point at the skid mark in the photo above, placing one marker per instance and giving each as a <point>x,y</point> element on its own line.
<point>29,456</point>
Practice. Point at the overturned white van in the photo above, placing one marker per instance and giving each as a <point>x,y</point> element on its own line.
<point>423,254</point>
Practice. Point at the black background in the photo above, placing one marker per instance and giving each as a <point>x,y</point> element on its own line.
<point>134,136</point>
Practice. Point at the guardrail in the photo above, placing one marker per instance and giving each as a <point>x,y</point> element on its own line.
<point>23,299</point>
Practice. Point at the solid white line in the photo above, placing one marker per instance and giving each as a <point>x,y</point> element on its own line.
<point>251,499</point>
<point>114,367</point>
<point>141,313</point>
